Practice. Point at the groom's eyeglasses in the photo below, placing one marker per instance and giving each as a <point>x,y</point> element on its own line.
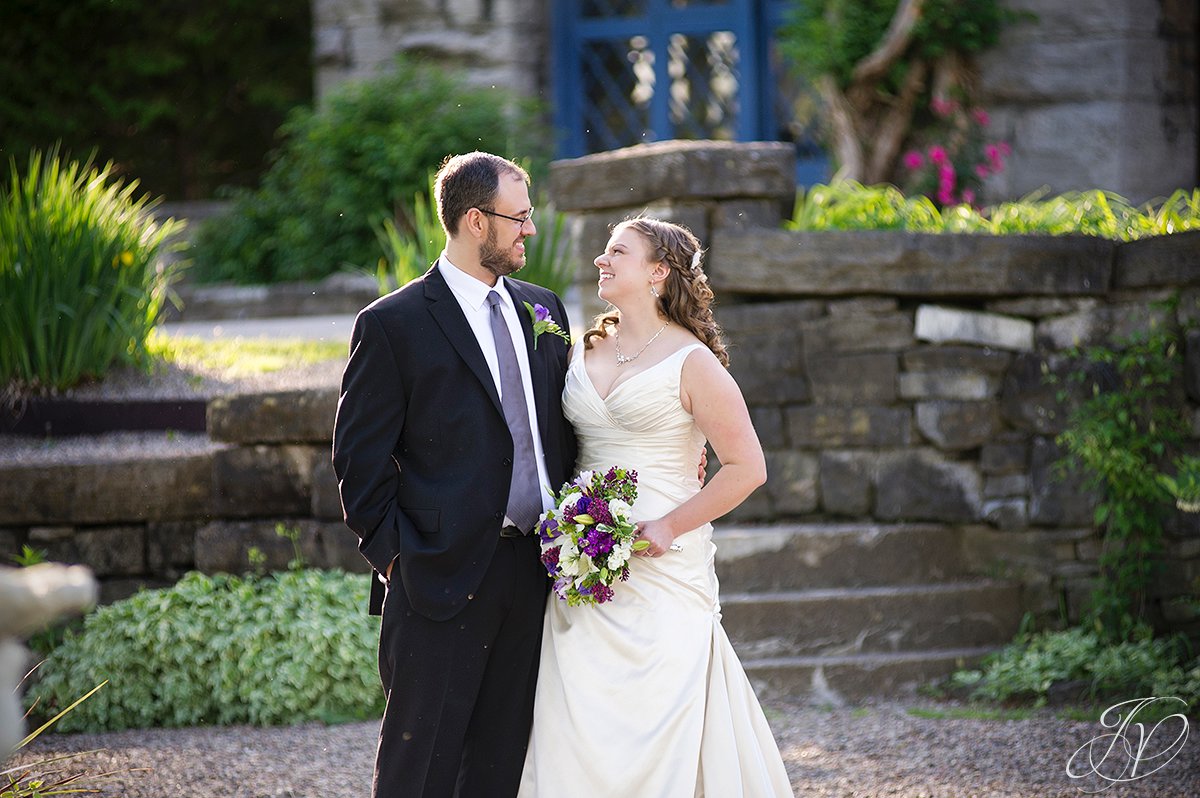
<point>521,220</point>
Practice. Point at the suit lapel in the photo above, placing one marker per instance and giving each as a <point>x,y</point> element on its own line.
<point>449,316</point>
<point>537,363</point>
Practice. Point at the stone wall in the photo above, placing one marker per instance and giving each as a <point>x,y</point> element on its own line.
<point>497,42</point>
<point>1096,95</point>
<point>897,377</point>
<point>141,509</point>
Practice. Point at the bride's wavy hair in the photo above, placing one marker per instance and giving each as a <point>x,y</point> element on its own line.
<point>685,297</point>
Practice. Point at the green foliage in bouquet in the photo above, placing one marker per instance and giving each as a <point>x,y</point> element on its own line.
<point>356,160</point>
<point>282,648</point>
<point>81,282</point>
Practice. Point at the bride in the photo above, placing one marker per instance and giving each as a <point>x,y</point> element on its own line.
<point>643,695</point>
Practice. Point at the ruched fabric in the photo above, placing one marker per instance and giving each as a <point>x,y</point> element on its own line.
<point>644,696</point>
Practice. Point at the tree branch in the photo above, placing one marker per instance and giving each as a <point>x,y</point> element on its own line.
<point>847,145</point>
<point>895,42</point>
<point>895,125</point>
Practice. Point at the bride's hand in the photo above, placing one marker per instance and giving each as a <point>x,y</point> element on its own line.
<point>658,534</point>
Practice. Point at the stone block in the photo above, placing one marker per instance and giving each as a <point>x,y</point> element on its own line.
<point>891,332</point>
<point>862,306</point>
<point>962,385</point>
<point>890,263</point>
<point>1083,328</point>
<point>995,487</point>
<point>113,550</point>
<point>118,589</point>
<point>154,488</point>
<point>1191,364</point>
<point>257,481</point>
<point>791,482</point>
<point>171,547</point>
<point>768,366</point>
<point>57,541</point>
<point>826,426</point>
<point>1056,498</point>
<point>1004,457</point>
<point>845,482</point>
<point>1187,313</point>
<point>920,485</point>
<point>326,499</point>
<point>676,169</point>
<point>852,379</point>
<point>768,317</point>
<point>224,546</point>
<point>1029,402</point>
<point>945,325</point>
<point>1011,513</point>
<point>951,357</point>
<point>957,426</point>
<point>11,541</point>
<point>1170,261</point>
<point>284,417</point>
<point>768,424</point>
<point>1039,307</point>
<point>742,214</point>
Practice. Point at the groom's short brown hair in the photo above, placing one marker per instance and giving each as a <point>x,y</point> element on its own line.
<point>470,181</point>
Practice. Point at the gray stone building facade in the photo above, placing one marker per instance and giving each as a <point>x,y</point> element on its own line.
<point>1096,94</point>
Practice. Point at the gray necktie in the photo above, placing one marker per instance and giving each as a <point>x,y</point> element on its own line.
<point>524,496</point>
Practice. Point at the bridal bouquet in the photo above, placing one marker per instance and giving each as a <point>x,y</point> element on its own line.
<point>588,538</point>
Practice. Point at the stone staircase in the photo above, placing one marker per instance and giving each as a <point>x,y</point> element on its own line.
<point>840,612</point>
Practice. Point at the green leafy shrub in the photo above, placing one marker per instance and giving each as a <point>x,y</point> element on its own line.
<point>1121,438</point>
<point>1034,664</point>
<point>283,648</point>
<point>847,205</point>
<point>81,285</point>
<point>357,160</point>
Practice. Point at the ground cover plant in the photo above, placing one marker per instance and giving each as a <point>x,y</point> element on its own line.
<point>240,357</point>
<point>343,168</point>
<point>80,273</point>
<point>262,649</point>
<point>847,205</point>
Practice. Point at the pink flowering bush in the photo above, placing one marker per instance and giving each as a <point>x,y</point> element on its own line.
<point>953,156</point>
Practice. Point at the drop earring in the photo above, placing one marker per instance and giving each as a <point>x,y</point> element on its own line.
<point>653,291</point>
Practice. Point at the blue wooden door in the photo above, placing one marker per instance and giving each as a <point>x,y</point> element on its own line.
<point>632,71</point>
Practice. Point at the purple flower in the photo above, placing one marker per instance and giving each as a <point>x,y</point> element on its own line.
<point>548,530</point>
<point>596,543</point>
<point>598,510</point>
<point>550,559</point>
<point>582,506</point>
<point>540,312</point>
<point>601,593</point>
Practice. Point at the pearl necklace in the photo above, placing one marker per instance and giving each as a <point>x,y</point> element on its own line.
<point>622,359</point>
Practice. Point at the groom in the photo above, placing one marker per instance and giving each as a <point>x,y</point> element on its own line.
<point>449,435</point>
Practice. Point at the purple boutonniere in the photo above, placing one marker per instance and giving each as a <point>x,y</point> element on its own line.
<point>544,322</point>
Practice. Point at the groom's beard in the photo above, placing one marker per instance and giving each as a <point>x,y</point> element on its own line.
<point>499,262</point>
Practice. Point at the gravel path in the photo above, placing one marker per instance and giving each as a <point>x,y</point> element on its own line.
<point>876,749</point>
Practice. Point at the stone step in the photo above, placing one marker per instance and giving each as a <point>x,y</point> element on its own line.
<point>838,679</point>
<point>808,556</point>
<point>846,621</point>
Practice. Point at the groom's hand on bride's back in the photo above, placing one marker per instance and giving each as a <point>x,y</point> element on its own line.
<point>701,473</point>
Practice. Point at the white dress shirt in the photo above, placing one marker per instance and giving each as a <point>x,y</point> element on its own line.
<point>472,298</point>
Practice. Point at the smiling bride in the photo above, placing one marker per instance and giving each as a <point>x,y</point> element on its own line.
<point>643,695</point>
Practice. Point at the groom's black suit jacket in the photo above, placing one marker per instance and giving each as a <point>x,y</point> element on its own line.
<point>422,453</point>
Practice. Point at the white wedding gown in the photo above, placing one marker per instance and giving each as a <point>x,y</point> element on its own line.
<point>644,696</point>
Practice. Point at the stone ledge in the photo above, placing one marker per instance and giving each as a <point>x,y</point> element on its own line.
<point>841,263</point>
<point>1168,261</point>
<point>679,170</point>
<point>300,416</point>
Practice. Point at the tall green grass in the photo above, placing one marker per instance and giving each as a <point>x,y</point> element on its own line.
<point>847,205</point>
<point>407,255</point>
<point>81,285</point>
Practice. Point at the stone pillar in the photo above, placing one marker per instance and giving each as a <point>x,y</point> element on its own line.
<point>30,598</point>
<point>703,185</point>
